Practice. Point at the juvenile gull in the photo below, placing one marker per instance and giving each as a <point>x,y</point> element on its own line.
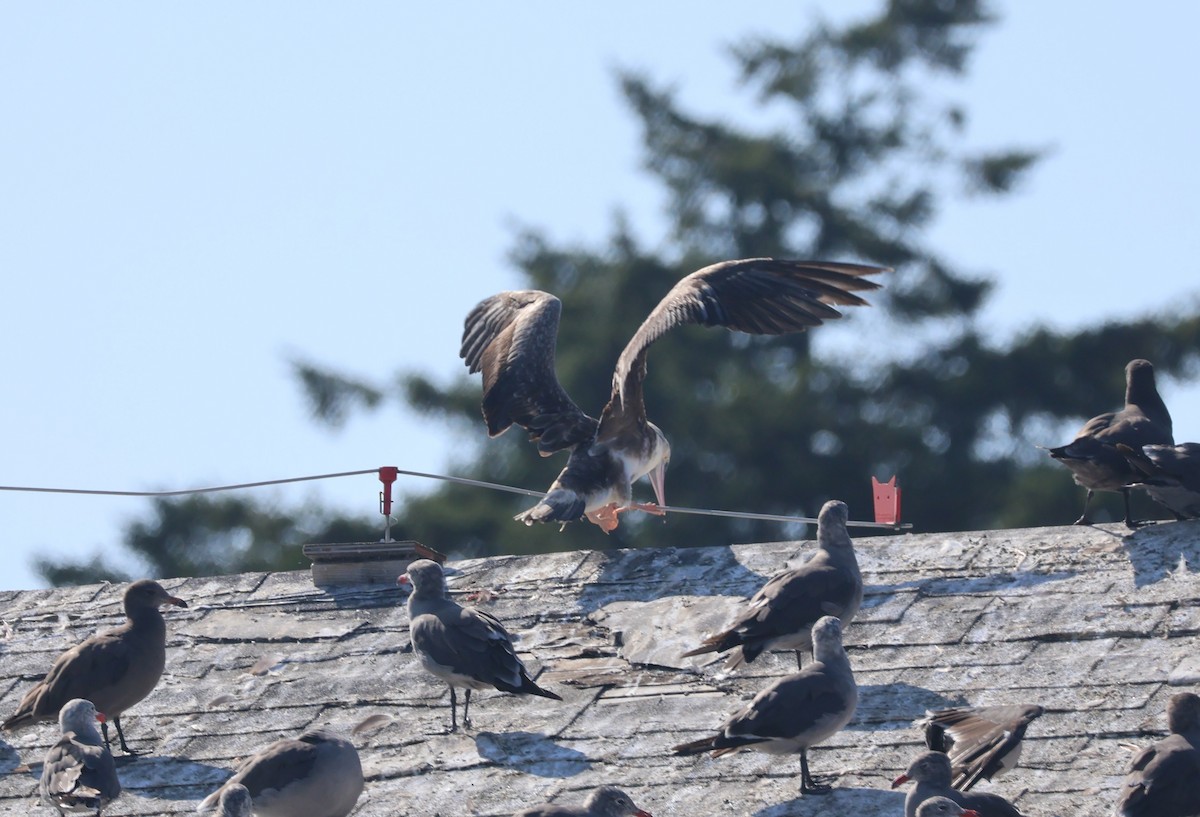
<point>1170,474</point>
<point>510,338</point>
<point>982,741</point>
<point>931,772</point>
<point>606,801</point>
<point>463,646</point>
<point>315,775</point>
<point>1093,456</point>
<point>114,669</point>
<point>780,616</point>
<point>1162,777</point>
<point>796,712</point>
<point>79,774</point>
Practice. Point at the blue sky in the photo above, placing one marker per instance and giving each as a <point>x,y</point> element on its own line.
<point>194,193</point>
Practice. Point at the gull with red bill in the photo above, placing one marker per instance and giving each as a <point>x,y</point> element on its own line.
<point>931,772</point>
<point>78,773</point>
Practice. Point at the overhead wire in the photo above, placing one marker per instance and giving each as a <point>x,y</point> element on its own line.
<point>476,483</point>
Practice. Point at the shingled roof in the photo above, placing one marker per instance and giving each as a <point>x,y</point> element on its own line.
<point>1096,624</point>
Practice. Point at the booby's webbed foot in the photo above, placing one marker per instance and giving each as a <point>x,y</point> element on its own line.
<point>606,518</point>
<point>648,507</point>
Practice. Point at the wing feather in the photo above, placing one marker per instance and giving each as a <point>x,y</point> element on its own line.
<point>472,643</point>
<point>276,766</point>
<point>761,296</point>
<point>510,338</point>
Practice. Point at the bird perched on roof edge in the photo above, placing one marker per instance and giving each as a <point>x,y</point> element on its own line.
<point>780,616</point>
<point>1170,474</point>
<point>1093,457</point>
<point>463,646</point>
<point>114,669</point>
<point>510,338</point>
<point>796,712</point>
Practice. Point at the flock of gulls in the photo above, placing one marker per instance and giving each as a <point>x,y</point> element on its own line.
<point>510,338</point>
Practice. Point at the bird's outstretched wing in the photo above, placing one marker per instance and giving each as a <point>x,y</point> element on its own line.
<point>979,740</point>
<point>511,337</point>
<point>759,296</point>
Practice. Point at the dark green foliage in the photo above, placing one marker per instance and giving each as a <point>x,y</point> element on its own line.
<point>331,396</point>
<point>95,569</point>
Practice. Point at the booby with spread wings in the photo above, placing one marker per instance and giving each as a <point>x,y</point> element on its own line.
<point>510,338</point>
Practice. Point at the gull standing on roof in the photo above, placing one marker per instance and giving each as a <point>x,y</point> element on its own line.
<point>78,774</point>
<point>606,801</point>
<point>463,646</point>
<point>982,741</point>
<point>796,712</point>
<point>114,669</point>
<point>1170,474</point>
<point>510,337</point>
<point>931,772</point>
<point>782,613</point>
<point>1093,456</point>
<point>315,775</point>
<point>1162,778</point>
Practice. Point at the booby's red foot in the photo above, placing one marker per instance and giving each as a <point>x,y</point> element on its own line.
<point>609,516</point>
<point>606,518</point>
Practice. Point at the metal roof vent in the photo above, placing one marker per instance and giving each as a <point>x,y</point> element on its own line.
<point>347,563</point>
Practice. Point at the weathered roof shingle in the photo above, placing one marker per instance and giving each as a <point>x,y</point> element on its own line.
<point>1095,624</point>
